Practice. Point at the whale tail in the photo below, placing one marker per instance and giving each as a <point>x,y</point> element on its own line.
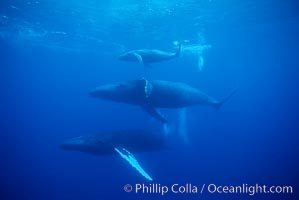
<point>218,104</point>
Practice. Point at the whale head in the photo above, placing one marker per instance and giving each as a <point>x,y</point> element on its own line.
<point>132,92</point>
<point>88,144</point>
<point>129,56</point>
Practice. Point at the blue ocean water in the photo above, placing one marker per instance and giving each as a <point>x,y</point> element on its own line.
<point>54,52</point>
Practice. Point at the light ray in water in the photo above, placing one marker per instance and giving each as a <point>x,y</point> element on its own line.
<point>200,62</point>
<point>196,49</point>
<point>182,125</point>
<point>166,129</point>
<point>125,154</point>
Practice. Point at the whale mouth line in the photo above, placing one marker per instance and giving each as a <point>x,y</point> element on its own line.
<point>99,92</point>
<point>122,56</point>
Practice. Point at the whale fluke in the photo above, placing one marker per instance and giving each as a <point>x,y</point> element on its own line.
<point>220,103</point>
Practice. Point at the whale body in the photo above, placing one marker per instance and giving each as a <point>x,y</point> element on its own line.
<point>156,94</point>
<point>134,140</point>
<point>148,56</point>
<point>121,142</point>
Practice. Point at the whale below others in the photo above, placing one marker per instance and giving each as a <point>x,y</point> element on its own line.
<point>134,140</point>
<point>121,142</point>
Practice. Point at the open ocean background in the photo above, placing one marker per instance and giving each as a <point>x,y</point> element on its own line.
<point>52,53</point>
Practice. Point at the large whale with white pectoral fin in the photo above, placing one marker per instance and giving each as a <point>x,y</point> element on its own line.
<point>153,94</point>
<point>121,142</point>
<point>148,56</point>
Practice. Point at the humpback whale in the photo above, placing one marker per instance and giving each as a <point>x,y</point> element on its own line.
<point>148,56</point>
<point>152,94</point>
<point>121,142</point>
<point>135,140</point>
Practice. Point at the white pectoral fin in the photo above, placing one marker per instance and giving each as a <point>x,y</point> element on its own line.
<point>139,58</point>
<point>129,157</point>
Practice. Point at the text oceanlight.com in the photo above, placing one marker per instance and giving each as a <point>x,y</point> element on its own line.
<point>189,188</point>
